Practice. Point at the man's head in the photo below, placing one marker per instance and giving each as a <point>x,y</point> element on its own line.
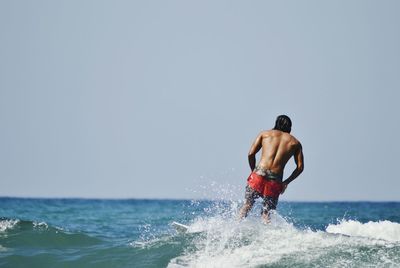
<point>283,123</point>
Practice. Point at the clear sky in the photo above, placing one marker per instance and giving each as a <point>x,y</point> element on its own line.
<point>162,99</point>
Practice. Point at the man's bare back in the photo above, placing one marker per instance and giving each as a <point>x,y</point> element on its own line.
<point>277,147</point>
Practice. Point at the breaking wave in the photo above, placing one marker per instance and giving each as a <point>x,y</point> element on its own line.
<point>385,230</point>
<point>41,235</point>
<point>227,242</point>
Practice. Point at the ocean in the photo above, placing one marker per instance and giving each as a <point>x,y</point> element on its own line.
<point>138,233</point>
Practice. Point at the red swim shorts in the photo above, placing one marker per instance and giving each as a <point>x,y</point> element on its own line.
<point>265,187</point>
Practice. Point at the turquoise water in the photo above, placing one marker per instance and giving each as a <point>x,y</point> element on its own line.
<point>137,233</point>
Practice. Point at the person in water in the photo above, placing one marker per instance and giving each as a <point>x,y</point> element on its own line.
<point>265,180</point>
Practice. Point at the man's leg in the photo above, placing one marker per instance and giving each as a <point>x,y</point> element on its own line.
<point>269,204</point>
<point>250,196</point>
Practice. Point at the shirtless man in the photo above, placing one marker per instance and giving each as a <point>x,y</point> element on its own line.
<point>265,181</point>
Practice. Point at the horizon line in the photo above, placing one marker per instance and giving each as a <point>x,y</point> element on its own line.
<point>189,199</point>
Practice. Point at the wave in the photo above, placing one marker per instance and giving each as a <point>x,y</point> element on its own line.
<point>385,230</point>
<point>215,239</point>
<point>6,224</point>
<point>34,234</point>
<point>225,242</point>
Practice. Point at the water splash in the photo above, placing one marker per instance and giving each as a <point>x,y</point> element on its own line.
<point>224,241</point>
<point>386,230</point>
<point>7,224</point>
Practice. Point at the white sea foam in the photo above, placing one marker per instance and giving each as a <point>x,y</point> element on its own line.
<point>220,240</point>
<point>40,225</point>
<point>227,242</point>
<point>7,224</point>
<point>386,230</point>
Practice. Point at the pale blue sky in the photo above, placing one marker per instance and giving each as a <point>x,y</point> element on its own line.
<point>157,99</point>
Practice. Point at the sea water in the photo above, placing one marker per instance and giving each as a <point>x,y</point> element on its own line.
<point>137,233</point>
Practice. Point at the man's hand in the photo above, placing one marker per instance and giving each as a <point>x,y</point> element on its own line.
<point>284,187</point>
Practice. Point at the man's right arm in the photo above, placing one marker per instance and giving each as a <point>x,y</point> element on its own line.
<point>255,147</point>
<point>299,160</point>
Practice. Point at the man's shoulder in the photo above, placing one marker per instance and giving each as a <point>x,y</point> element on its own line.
<point>292,139</point>
<point>268,133</point>
<point>295,141</point>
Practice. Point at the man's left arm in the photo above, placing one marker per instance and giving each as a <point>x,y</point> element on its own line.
<point>299,160</point>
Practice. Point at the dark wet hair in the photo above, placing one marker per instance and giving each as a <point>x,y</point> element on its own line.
<point>283,123</point>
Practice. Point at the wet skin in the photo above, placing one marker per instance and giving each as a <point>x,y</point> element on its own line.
<point>277,147</point>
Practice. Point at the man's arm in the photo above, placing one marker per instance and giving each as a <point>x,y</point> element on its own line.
<point>299,160</point>
<point>255,147</point>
